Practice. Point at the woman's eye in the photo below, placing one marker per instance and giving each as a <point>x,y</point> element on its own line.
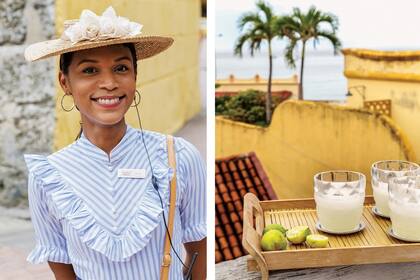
<point>90,70</point>
<point>121,68</point>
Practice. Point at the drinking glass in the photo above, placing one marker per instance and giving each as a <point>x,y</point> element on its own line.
<point>339,197</point>
<point>404,204</point>
<point>382,172</point>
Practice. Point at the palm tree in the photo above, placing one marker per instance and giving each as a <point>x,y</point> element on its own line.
<point>301,27</point>
<point>258,27</point>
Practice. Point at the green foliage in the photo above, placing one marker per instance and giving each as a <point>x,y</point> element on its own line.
<point>247,106</point>
<point>256,28</point>
<point>298,28</point>
<point>220,105</point>
<point>303,27</point>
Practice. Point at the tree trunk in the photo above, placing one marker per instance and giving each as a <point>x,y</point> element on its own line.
<point>301,71</point>
<point>268,95</point>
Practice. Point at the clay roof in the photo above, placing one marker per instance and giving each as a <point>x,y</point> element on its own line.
<point>236,176</point>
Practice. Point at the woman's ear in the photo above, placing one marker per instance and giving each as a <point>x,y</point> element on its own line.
<point>64,82</point>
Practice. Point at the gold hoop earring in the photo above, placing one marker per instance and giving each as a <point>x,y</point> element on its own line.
<point>135,99</point>
<point>67,110</point>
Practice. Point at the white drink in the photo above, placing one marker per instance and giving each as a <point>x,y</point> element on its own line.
<point>380,194</point>
<point>339,214</point>
<point>405,220</point>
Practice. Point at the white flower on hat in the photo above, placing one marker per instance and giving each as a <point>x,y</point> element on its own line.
<point>93,27</point>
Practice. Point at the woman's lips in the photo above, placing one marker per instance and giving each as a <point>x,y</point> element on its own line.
<point>108,102</point>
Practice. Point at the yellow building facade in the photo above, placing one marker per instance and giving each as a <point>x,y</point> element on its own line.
<point>388,75</point>
<point>305,138</point>
<point>169,82</point>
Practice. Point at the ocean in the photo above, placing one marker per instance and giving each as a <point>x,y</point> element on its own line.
<point>323,77</point>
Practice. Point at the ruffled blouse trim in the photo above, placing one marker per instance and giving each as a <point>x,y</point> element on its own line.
<point>194,233</point>
<point>41,254</point>
<point>70,206</point>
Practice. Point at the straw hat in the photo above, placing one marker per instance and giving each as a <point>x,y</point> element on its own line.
<point>92,31</point>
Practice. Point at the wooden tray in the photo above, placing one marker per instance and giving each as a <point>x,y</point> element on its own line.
<point>371,245</point>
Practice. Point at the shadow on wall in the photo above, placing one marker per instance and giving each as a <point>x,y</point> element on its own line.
<point>308,137</point>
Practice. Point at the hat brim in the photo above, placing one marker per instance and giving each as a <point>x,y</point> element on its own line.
<point>146,46</point>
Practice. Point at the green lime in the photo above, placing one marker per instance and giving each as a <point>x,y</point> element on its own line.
<point>276,227</point>
<point>273,240</point>
<point>298,234</point>
<point>317,241</point>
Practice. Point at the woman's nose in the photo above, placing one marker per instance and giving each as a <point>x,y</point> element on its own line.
<point>108,81</point>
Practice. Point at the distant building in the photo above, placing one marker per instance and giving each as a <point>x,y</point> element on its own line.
<point>387,82</point>
<point>285,88</point>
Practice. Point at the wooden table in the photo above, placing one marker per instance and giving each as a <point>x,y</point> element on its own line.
<point>236,269</point>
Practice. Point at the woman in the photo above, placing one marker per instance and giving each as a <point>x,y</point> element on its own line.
<point>100,206</point>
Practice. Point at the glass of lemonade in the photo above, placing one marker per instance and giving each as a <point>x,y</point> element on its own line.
<point>339,197</point>
<point>382,172</point>
<point>404,203</point>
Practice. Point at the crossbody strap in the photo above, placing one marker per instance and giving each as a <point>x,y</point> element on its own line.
<point>167,249</point>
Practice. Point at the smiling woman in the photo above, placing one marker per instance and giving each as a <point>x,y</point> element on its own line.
<point>119,202</point>
<point>102,82</point>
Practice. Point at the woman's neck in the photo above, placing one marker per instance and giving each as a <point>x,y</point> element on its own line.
<point>104,137</point>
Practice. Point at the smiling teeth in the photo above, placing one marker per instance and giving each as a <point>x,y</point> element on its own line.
<point>107,101</point>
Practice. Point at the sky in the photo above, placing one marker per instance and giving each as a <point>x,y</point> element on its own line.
<point>373,24</point>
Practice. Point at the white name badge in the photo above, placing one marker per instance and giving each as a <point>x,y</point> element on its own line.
<point>131,173</point>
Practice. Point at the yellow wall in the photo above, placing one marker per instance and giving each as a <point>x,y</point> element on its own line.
<point>391,75</point>
<point>308,137</point>
<point>168,82</point>
<point>233,84</point>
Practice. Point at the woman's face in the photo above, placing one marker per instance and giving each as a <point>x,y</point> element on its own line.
<point>102,82</point>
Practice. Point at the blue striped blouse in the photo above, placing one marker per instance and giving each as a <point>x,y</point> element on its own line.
<point>111,227</point>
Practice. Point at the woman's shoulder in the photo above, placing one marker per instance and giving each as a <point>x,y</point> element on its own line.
<point>186,153</point>
<point>180,143</point>
<point>38,164</point>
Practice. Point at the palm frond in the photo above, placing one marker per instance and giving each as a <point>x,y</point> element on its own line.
<point>289,53</point>
<point>249,19</point>
<point>331,19</point>
<point>331,36</point>
<point>266,9</point>
<point>240,42</point>
<point>255,27</point>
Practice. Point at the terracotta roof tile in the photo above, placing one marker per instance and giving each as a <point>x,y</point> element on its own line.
<point>235,176</point>
<point>219,179</point>
<point>227,254</point>
<point>237,252</point>
<point>235,196</point>
<point>228,230</point>
<point>220,208</point>
<point>222,188</point>
<point>231,186</point>
<point>226,197</point>
<point>232,166</point>
<point>240,185</point>
<point>242,192</point>
<point>228,177</point>
<point>241,164</point>
<point>230,207</point>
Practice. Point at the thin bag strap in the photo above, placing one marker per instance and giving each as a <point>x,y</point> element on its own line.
<point>164,275</point>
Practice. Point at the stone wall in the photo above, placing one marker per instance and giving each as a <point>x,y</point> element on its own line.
<point>26,93</point>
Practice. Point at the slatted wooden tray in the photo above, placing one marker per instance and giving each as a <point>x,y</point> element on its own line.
<point>372,245</point>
